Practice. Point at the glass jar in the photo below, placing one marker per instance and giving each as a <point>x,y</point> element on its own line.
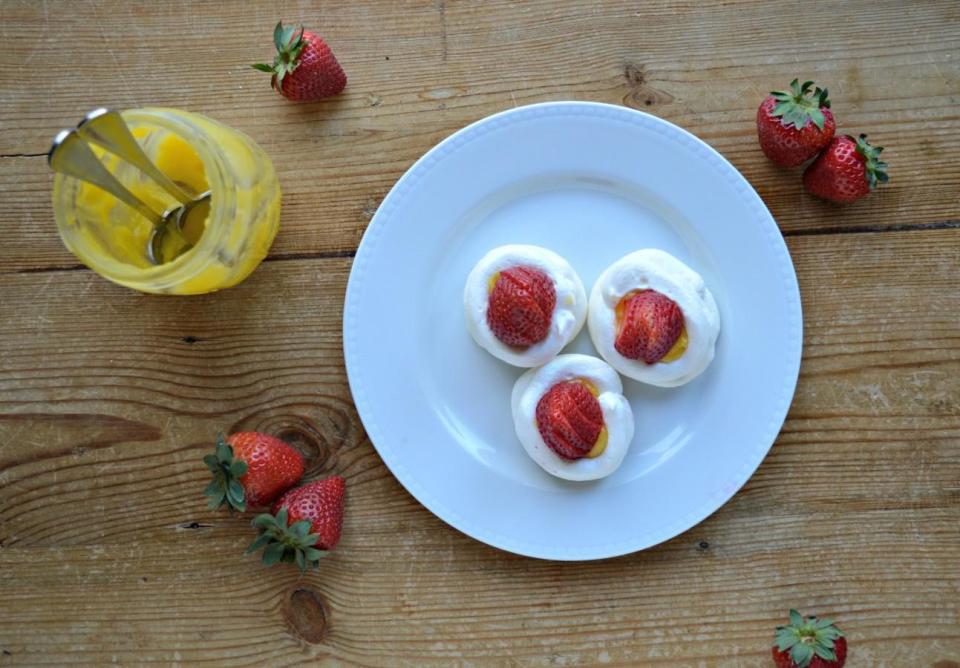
<point>200,154</point>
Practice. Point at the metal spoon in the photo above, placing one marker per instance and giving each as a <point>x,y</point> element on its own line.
<point>106,128</point>
<point>72,156</point>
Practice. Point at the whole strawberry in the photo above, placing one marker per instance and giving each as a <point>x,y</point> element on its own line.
<point>305,68</point>
<point>846,171</point>
<point>305,524</point>
<point>794,125</point>
<point>251,468</point>
<point>809,643</point>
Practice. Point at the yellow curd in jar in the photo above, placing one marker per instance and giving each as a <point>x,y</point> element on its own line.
<point>230,235</point>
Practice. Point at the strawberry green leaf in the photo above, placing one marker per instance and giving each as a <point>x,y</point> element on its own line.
<point>224,451</point>
<point>285,544</point>
<point>818,118</point>
<point>225,486</point>
<point>216,500</point>
<point>278,36</point>
<point>273,553</point>
<point>786,638</point>
<point>795,618</point>
<point>798,106</point>
<point>801,655</point>
<point>875,170</point>
<point>263,67</point>
<point>260,541</point>
<point>825,653</point>
<point>313,554</point>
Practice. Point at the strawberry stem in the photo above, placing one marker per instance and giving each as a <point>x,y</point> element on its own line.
<point>289,44</point>
<point>288,544</point>
<point>807,638</point>
<point>876,171</point>
<point>799,106</point>
<point>225,488</point>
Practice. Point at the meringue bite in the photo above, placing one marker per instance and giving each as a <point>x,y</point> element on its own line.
<point>572,418</point>
<point>524,304</point>
<point>653,319</point>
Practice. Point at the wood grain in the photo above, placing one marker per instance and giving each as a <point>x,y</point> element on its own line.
<point>107,553</point>
<point>109,398</point>
<point>421,70</point>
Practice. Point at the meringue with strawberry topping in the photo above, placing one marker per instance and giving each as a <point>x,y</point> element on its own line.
<point>652,318</point>
<point>523,304</point>
<point>572,418</point>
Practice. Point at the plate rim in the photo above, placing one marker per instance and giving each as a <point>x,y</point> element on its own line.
<point>763,219</point>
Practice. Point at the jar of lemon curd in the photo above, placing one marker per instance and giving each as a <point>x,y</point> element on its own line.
<point>230,235</point>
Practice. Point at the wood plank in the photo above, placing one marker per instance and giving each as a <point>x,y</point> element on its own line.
<point>107,552</point>
<point>420,70</point>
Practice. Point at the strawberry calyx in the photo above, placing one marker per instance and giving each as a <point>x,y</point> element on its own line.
<point>807,638</point>
<point>876,171</point>
<point>289,43</point>
<point>799,106</point>
<point>291,544</point>
<point>225,488</point>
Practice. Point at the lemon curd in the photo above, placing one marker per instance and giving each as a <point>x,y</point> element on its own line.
<point>230,236</point>
<point>601,445</point>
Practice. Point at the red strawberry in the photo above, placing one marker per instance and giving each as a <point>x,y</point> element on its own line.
<point>793,126</point>
<point>809,643</point>
<point>305,68</point>
<point>305,524</point>
<point>846,171</point>
<point>649,324</point>
<point>569,419</point>
<point>254,468</point>
<point>520,306</point>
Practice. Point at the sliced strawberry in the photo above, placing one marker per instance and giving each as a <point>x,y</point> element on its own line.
<point>649,324</point>
<point>569,419</point>
<point>520,306</point>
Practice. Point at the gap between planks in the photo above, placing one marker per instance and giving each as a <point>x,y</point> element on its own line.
<point>348,253</point>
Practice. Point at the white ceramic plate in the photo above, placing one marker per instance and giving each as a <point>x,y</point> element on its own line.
<point>591,182</point>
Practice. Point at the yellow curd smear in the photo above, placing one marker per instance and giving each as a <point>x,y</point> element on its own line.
<point>604,436</point>
<point>492,281</point>
<point>679,347</point>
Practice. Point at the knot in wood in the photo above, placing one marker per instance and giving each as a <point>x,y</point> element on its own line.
<point>306,614</point>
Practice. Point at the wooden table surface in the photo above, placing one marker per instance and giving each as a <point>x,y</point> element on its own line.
<point>109,398</point>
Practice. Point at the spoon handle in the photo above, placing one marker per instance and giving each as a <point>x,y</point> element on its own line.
<point>71,155</point>
<point>107,128</point>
